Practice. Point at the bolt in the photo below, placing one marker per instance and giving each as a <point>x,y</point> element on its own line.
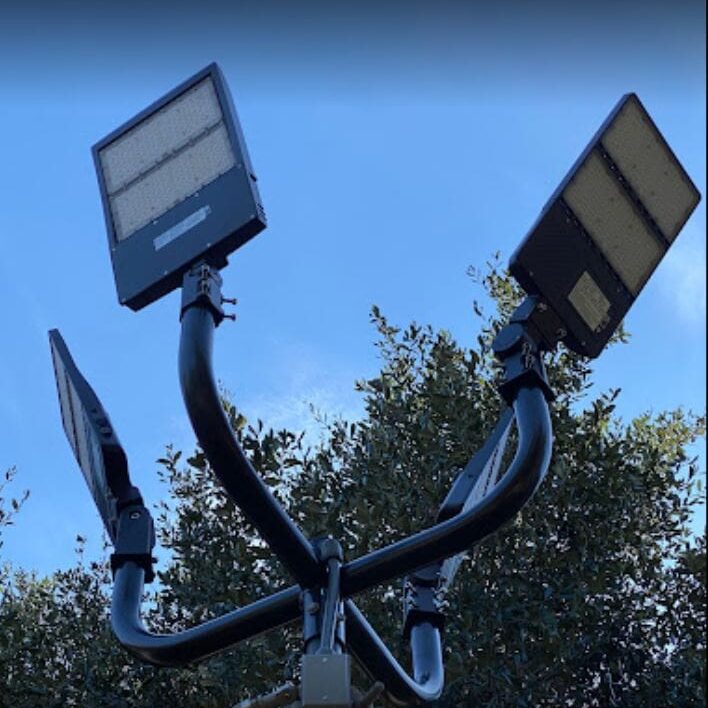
<point>134,514</point>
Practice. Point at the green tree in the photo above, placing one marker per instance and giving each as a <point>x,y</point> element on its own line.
<point>592,596</point>
<point>8,510</point>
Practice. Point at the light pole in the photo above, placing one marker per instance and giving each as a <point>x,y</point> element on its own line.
<point>179,196</point>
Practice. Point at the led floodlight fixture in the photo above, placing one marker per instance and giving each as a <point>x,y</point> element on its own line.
<point>177,186</point>
<point>605,229</point>
<point>95,445</point>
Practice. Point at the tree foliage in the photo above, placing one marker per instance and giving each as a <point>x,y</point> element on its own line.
<point>593,596</point>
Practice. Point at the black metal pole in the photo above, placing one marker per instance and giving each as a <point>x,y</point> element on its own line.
<point>428,678</point>
<point>198,642</point>
<point>228,461</point>
<point>330,551</point>
<point>458,533</point>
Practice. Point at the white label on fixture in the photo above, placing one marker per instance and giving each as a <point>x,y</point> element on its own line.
<point>590,302</point>
<point>182,227</point>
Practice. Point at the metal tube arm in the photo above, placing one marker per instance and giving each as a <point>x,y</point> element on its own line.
<point>201,312</point>
<point>199,642</point>
<point>457,534</point>
<point>132,567</point>
<point>428,679</point>
<point>471,522</point>
<point>426,588</point>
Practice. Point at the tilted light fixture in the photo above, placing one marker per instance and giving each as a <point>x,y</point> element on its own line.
<point>606,228</point>
<point>177,187</point>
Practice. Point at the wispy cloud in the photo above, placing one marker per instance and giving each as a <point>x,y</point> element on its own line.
<point>304,386</point>
<point>302,408</point>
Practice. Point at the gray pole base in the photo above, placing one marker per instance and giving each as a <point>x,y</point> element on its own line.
<point>326,681</point>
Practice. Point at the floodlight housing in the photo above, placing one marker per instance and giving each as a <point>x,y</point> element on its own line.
<point>606,228</point>
<point>177,187</point>
<point>92,438</point>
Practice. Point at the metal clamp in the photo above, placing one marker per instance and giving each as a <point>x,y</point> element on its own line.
<point>330,554</point>
<point>423,599</point>
<point>135,541</point>
<point>519,347</point>
<point>202,286</point>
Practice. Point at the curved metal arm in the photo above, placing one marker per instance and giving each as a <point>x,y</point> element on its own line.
<point>457,534</point>
<point>228,461</point>
<point>198,642</point>
<point>425,588</point>
<point>446,538</point>
<point>252,495</point>
<point>428,679</point>
<point>199,318</point>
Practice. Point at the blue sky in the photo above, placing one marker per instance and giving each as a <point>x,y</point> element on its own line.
<point>394,148</point>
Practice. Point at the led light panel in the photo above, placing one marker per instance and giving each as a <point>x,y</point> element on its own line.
<point>177,187</point>
<point>91,437</point>
<point>166,132</point>
<point>166,158</point>
<point>606,228</point>
<point>650,167</point>
<point>613,222</point>
<point>170,182</point>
